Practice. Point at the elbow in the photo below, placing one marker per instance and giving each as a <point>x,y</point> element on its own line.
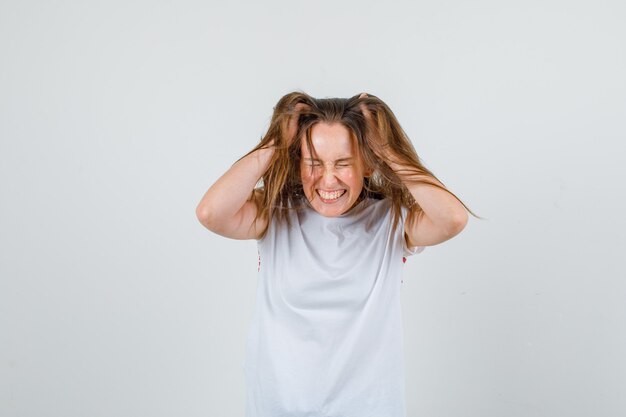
<point>211,218</point>
<point>203,214</point>
<point>458,224</point>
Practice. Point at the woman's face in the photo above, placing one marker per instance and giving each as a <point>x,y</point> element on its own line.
<point>333,182</point>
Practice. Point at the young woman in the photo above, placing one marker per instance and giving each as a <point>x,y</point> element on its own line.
<point>343,199</point>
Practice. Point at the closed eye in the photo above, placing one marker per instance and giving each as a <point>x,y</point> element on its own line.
<point>344,163</point>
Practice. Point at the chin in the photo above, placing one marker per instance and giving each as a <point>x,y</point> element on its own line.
<point>328,213</point>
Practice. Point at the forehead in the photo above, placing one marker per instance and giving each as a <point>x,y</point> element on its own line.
<point>331,141</point>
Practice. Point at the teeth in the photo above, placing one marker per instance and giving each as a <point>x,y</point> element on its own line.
<point>330,196</point>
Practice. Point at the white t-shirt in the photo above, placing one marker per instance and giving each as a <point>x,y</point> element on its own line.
<point>326,337</point>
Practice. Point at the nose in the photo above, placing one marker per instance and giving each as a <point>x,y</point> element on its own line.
<point>329,174</point>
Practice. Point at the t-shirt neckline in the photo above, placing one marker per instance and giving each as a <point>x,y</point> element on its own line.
<point>353,211</point>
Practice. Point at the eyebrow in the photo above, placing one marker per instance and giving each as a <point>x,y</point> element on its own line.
<point>346,158</point>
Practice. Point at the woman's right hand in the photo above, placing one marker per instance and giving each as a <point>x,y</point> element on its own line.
<point>292,128</point>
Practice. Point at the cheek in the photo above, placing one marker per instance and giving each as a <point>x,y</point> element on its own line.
<point>351,176</point>
<point>354,179</point>
<point>306,176</point>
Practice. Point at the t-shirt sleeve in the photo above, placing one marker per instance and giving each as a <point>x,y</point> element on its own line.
<point>408,250</point>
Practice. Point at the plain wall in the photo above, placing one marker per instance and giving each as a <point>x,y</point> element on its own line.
<point>115,117</point>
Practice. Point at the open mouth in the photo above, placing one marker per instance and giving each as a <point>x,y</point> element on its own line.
<point>332,196</point>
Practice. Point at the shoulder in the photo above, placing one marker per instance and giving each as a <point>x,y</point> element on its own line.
<point>386,205</point>
<point>379,203</point>
<point>376,210</point>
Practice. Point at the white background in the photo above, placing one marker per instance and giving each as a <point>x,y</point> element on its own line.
<point>115,117</point>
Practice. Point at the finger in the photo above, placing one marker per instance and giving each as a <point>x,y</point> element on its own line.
<point>363,107</point>
<point>301,106</point>
<point>293,118</point>
<point>292,127</point>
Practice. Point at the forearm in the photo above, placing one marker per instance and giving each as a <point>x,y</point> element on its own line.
<point>441,207</point>
<point>231,191</point>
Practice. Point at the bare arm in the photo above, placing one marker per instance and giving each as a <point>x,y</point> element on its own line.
<point>225,208</point>
<point>442,216</point>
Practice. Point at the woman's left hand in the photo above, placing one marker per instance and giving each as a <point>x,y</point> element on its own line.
<point>378,144</point>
